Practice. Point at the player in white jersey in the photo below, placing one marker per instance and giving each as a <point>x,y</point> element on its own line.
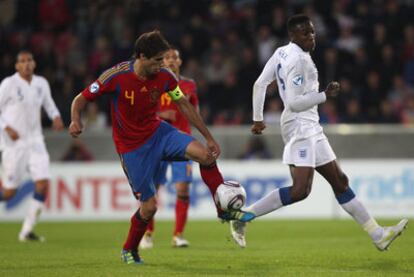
<point>306,147</point>
<point>22,96</point>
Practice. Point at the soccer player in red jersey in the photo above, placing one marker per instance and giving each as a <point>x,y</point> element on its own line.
<point>141,139</point>
<point>181,170</point>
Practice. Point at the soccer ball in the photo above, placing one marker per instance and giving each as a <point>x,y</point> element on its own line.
<point>230,195</point>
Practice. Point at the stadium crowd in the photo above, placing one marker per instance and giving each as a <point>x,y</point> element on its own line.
<point>368,46</point>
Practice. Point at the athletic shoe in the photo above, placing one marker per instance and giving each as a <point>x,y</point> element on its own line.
<point>390,234</point>
<point>131,257</point>
<point>239,215</point>
<point>146,242</point>
<point>31,237</point>
<point>179,241</point>
<point>238,230</point>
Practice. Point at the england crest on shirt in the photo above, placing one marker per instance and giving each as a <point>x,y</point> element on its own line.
<point>298,80</point>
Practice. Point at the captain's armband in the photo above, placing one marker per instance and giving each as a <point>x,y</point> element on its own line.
<point>176,94</point>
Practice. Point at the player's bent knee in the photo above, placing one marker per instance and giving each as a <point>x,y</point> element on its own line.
<point>148,212</point>
<point>344,183</point>
<point>199,153</point>
<point>300,194</point>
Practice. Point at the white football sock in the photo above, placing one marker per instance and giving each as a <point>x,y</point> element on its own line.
<point>361,215</point>
<point>267,204</point>
<point>35,208</point>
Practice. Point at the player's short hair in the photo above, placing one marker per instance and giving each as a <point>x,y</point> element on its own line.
<point>150,44</point>
<point>21,52</point>
<point>296,20</point>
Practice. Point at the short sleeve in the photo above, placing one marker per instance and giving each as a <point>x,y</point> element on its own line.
<point>96,89</point>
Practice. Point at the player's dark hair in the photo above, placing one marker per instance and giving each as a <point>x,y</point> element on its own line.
<point>296,20</point>
<point>150,44</point>
<point>23,51</point>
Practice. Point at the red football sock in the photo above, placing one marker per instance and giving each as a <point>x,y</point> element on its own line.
<point>181,212</point>
<point>150,226</point>
<point>136,232</point>
<point>211,177</point>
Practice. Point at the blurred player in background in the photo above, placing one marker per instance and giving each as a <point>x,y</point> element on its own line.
<point>22,96</point>
<point>141,139</point>
<point>306,147</point>
<point>182,174</point>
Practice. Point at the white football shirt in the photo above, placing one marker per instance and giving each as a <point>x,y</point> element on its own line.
<point>297,80</point>
<point>20,107</point>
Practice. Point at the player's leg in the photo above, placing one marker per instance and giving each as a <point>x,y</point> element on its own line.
<point>147,240</point>
<point>160,179</point>
<point>210,173</point>
<point>138,226</point>
<point>300,156</point>
<point>301,186</point>
<point>140,167</point>
<point>36,207</point>
<point>39,164</point>
<point>182,177</point>
<point>12,170</point>
<point>302,178</point>
<point>212,177</point>
<point>339,182</point>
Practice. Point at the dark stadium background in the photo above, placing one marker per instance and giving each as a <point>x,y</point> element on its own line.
<point>368,46</point>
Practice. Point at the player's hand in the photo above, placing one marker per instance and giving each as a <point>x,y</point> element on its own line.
<point>12,133</point>
<point>258,127</point>
<point>332,89</point>
<point>213,148</point>
<point>57,124</point>
<point>75,128</point>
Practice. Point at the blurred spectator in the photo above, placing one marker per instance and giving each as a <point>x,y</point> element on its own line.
<point>256,148</point>
<point>273,112</point>
<point>407,113</point>
<point>94,119</point>
<point>328,113</point>
<point>77,151</point>
<point>366,45</point>
<point>353,113</point>
<point>267,44</point>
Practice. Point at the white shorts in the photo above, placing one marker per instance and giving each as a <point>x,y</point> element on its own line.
<point>313,151</point>
<point>22,163</point>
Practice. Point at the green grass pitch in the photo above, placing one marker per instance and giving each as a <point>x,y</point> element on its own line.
<point>274,248</point>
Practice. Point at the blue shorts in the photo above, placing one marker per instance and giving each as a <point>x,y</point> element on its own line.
<point>142,164</point>
<point>182,171</point>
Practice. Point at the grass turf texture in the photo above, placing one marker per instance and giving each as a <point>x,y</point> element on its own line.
<point>282,248</point>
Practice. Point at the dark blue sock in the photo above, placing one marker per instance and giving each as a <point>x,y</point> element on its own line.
<point>39,197</point>
<point>285,196</point>
<point>345,197</point>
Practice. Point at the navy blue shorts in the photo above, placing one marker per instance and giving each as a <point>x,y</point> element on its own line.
<point>142,164</point>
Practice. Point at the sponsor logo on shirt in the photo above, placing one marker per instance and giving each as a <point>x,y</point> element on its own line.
<point>94,87</point>
<point>298,80</point>
<point>302,153</point>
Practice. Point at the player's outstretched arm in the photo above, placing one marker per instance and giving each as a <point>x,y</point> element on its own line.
<point>191,114</point>
<point>78,104</point>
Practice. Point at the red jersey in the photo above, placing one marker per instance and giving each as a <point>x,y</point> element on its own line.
<point>134,102</point>
<point>188,87</point>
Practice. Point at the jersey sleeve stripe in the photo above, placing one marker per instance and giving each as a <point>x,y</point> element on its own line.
<point>112,72</point>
